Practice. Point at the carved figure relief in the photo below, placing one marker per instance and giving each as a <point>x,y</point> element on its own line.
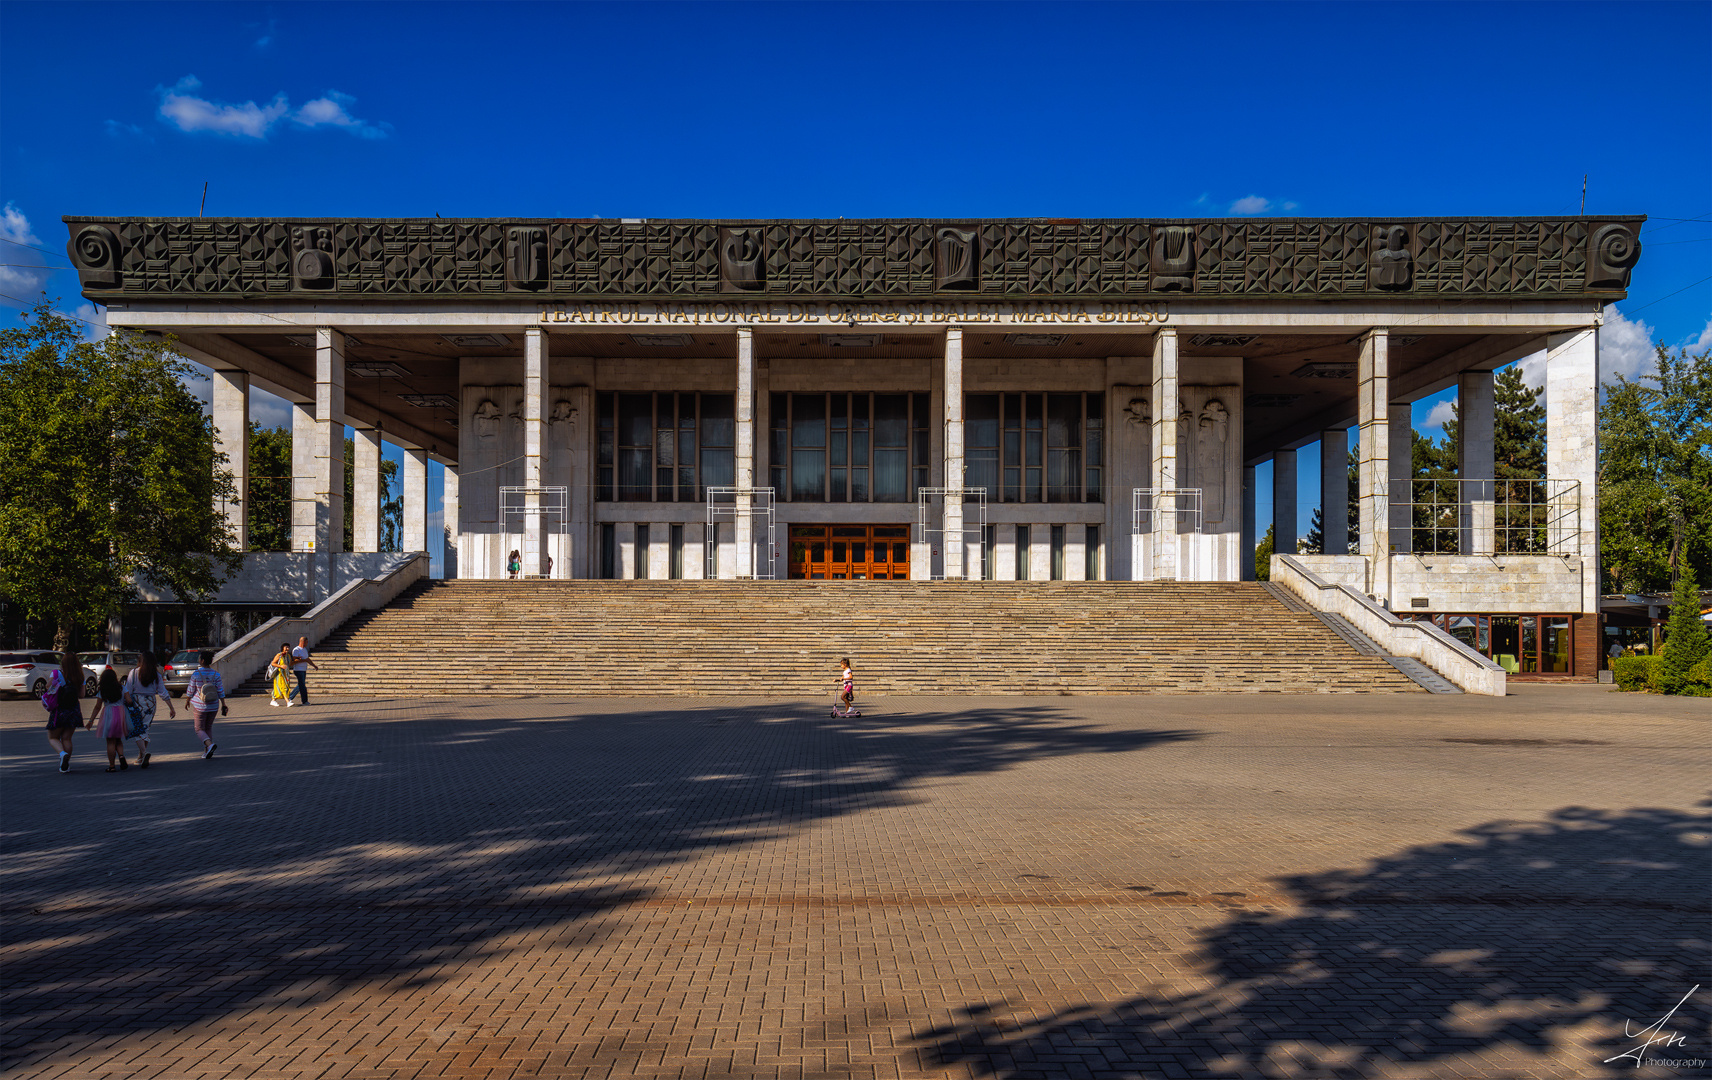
<point>955,259</point>
<point>1611,252</point>
<point>526,257</point>
<point>1393,267</point>
<point>486,419</point>
<point>741,261</point>
<point>1136,412</point>
<point>312,257</point>
<point>1212,459</point>
<point>94,250</point>
<point>1173,258</point>
<point>1216,417</point>
<point>563,413</point>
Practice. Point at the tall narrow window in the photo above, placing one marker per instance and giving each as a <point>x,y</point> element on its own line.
<point>808,446</point>
<point>989,552</point>
<point>687,448</point>
<point>1094,489</point>
<point>635,447</point>
<point>859,438</point>
<point>921,407</point>
<point>1064,448</point>
<point>677,565</point>
<point>1091,553</point>
<point>1013,447</point>
<point>1022,552</point>
<point>778,443</point>
<point>838,448</point>
<point>981,444</point>
<point>718,441</point>
<point>891,447</point>
<point>605,455</point>
<point>609,551</point>
<point>1058,553</point>
<point>639,552</point>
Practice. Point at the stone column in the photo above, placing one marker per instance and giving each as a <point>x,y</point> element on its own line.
<point>415,523</point>
<point>1475,469</point>
<point>302,475</point>
<point>232,438</point>
<point>1373,458</point>
<point>1284,502</point>
<point>1334,491</point>
<point>745,530</point>
<point>329,441</point>
<point>1249,525</point>
<point>1572,445</point>
<point>1163,475</point>
<point>534,397</point>
<point>450,511</point>
<point>366,494</point>
<point>1400,496</point>
<point>953,521</point>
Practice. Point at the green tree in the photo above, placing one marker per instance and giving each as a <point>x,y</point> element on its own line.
<point>108,475</point>
<point>1686,643</point>
<point>1263,557</point>
<point>1315,543</point>
<point>1518,429</point>
<point>1655,475</point>
<point>270,488</point>
<point>391,508</point>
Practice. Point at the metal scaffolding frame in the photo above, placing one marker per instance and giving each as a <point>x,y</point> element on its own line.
<point>722,505</point>
<point>975,495</point>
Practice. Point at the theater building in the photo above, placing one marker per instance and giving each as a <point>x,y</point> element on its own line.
<point>909,400</point>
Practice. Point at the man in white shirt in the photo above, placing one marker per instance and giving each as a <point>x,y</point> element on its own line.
<point>300,665</point>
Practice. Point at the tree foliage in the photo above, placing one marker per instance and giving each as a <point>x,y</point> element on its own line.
<point>1263,557</point>
<point>1655,475</point>
<point>108,475</point>
<point>1685,644</point>
<point>270,488</point>
<point>1315,543</point>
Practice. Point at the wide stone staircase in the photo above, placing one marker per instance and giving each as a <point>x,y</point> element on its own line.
<point>785,638</point>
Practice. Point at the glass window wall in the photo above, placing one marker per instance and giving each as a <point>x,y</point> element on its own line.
<point>849,447</point>
<point>1035,447</point>
<point>663,447</point>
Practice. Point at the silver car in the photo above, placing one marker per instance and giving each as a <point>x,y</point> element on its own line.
<point>27,672</point>
<point>94,663</point>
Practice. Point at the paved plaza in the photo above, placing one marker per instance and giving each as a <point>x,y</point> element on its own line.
<point>1242,886</point>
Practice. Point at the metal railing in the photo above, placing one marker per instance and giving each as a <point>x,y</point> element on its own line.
<point>742,505</point>
<point>1145,503</point>
<point>975,555</point>
<point>1539,516</point>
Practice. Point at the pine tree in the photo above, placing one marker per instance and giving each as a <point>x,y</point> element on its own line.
<point>1315,544</point>
<point>1263,557</point>
<point>1686,643</point>
<point>1519,428</point>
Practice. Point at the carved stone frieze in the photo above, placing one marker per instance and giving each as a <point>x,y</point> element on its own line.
<point>1423,258</point>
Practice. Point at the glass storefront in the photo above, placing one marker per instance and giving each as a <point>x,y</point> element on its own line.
<point>1520,644</point>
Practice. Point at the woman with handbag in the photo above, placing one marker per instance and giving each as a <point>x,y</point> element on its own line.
<point>143,687</point>
<point>279,677</point>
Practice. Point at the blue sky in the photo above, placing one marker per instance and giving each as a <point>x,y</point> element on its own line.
<point>868,110</point>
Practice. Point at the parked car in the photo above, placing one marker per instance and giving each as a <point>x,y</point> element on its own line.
<point>27,672</point>
<point>177,671</point>
<point>94,663</point>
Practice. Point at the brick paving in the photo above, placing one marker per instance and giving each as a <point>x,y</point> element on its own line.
<point>1401,886</point>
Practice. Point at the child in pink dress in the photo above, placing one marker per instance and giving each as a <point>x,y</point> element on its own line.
<point>110,711</point>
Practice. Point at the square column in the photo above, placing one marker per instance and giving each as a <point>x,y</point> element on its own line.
<point>1284,502</point>
<point>366,495</point>
<point>232,438</point>
<point>1400,496</point>
<point>1334,491</point>
<point>745,530</point>
<point>415,493</point>
<point>1373,458</point>
<point>450,511</point>
<point>302,476</point>
<point>1163,474</point>
<point>1475,468</point>
<point>1572,453</point>
<point>953,522</point>
<point>329,452</point>
<point>1249,513</point>
<point>534,394</point>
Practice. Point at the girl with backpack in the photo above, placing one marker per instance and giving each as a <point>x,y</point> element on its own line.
<point>206,693</point>
<point>65,714</point>
<point>142,687</point>
<point>110,711</point>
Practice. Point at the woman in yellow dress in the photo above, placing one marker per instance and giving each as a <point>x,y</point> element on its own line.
<point>278,672</point>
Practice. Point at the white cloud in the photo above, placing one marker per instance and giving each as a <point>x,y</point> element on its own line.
<point>1441,412</point>
<point>94,321</point>
<point>1251,204</point>
<point>1625,348</point>
<point>331,110</point>
<point>184,109</point>
<point>1704,341</point>
<point>22,282</point>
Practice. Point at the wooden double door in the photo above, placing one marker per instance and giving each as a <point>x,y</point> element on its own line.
<point>850,552</point>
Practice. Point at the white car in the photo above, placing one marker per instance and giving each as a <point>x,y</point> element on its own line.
<point>27,672</point>
<point>94,663</point>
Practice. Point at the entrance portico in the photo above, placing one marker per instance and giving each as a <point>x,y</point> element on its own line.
<point>1105,387</point>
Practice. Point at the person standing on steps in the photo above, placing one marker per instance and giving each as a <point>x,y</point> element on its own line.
<point>65,714</point>
<point>109,712</point>
<point>279,676</point>
<point>142,688</point>
<point>206,693</point>
<point>300,665</point>
<point>513,563</point>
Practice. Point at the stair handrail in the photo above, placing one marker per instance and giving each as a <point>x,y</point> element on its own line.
<point>1422,641</point>
<point>252,652</point>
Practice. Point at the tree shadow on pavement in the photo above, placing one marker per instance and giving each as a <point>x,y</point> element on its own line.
<point>314,855</point>
<point>1503,942</point>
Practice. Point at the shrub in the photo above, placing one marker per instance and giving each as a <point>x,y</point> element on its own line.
<point>1685,643</point>
<point>1635,672</point>
<point>1699,682</point>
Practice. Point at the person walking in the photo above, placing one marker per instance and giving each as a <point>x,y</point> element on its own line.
<point>300,665</point>
<point>206,693</point>
<point>60,699</point>
<point>143,687</point>
<point>279,676</point>
<point>109,713</point>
